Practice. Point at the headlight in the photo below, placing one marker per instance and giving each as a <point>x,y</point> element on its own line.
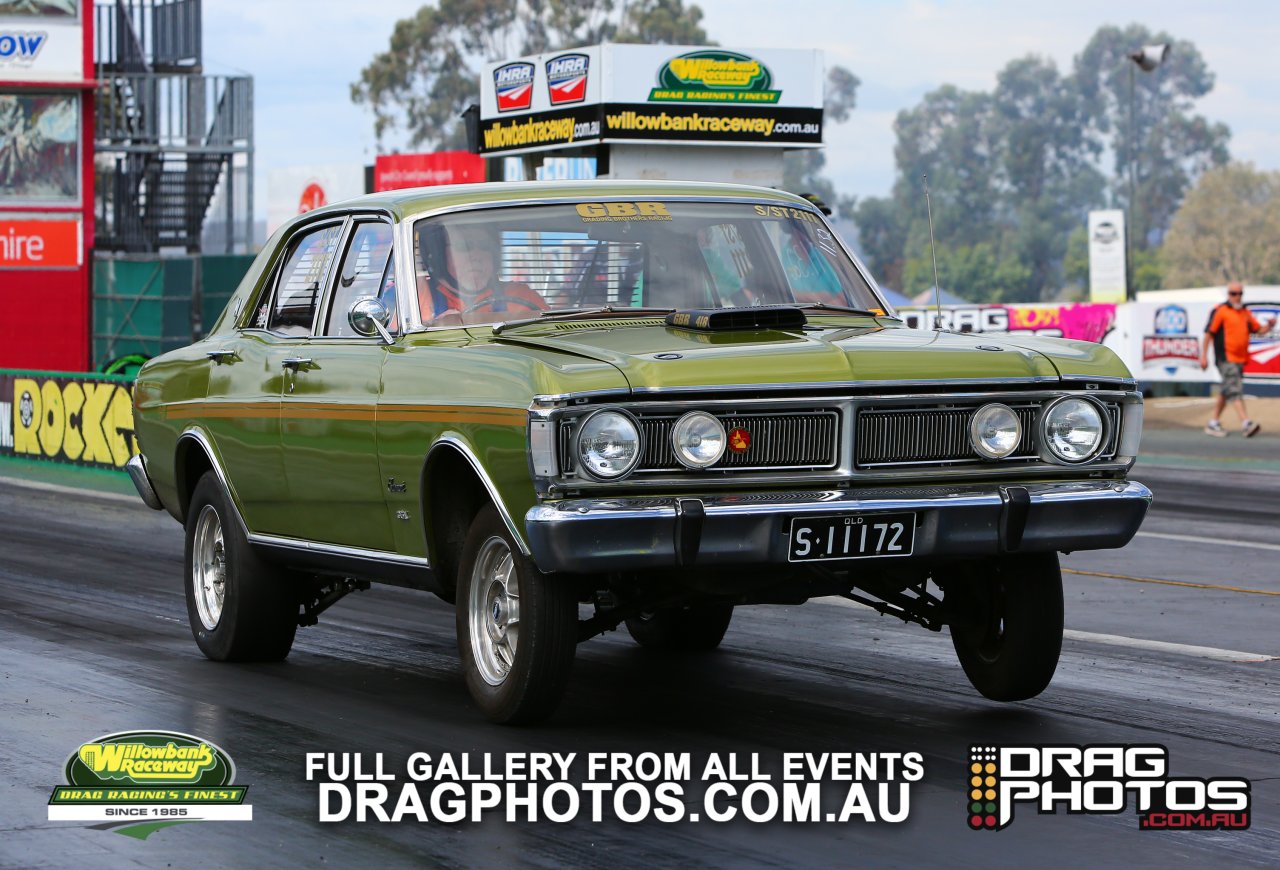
<point>1072,429</point>
<point>698,439</point>
<point>608,444</point>
<point>995,431</point>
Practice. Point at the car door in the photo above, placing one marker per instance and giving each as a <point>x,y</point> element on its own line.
<point>329,401</point>
<point>248,374</point>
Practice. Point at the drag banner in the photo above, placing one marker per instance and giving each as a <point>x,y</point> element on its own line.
<point>77,419</point>
<point>1086,321</point>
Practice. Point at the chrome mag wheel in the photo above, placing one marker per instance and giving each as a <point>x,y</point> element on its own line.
<point>209,567</point>
<point>493,610</point>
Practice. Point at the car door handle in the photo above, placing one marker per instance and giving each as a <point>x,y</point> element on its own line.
<point>295,362</point>
<point>221,356</point>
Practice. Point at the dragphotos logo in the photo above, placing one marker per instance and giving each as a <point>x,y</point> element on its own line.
<point>1099,779</point>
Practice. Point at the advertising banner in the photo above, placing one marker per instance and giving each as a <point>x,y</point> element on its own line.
<point>396,171</point>
<point>1108,281</point>
<point>1085,320</point>
<point>654,93</point>
<point>1163,342</point>
<point>295,190</point>
<point>41,41</point>
<point>84,420</point>
<point>41,244</point>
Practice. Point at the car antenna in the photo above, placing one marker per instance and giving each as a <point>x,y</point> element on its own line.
<point>933,249</point>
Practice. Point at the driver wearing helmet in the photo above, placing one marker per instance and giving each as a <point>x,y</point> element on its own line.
<point>469,284</point>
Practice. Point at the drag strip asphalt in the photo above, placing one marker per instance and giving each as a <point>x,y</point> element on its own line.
<point>94,639</point>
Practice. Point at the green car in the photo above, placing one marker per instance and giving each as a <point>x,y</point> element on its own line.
<point>646,402</point>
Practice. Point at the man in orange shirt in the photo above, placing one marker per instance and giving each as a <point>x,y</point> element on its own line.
<point>1229,328</point>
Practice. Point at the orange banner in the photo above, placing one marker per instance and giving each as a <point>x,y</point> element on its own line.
<point>28,244</point>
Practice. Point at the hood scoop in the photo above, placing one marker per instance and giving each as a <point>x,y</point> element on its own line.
<point>781,317</point>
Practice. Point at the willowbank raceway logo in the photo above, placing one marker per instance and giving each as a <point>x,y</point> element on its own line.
<point>1099,779</point>
<point>137,782</point>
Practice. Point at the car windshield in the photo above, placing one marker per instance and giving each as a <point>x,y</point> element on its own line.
<point>502,264</point>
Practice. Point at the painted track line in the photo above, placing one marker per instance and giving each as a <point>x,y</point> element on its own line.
<point>1180,649</point>
<point>1196,539</point>
<point>1215,586</point>
<point>68,490</point>
<point>1183,649</point>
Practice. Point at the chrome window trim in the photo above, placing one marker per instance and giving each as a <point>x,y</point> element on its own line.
<point>306,546</point>
<point>324,310</point>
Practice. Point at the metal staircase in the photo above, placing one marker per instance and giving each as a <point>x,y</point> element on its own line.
<point>169,138</point>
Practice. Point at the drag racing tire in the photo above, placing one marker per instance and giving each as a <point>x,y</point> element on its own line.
<point>517,628</point>
<point>240,607</point>
<point>685,629</point>
<point>1007,625</point>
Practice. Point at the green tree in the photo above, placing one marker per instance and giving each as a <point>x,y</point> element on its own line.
<point>802,167</point>
<point>1226,230</point>
<point>1018,168</point>
<point>430,72</point>
<point>1166,144</point>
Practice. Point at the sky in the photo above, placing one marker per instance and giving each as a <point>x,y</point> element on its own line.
<point>304,54</point>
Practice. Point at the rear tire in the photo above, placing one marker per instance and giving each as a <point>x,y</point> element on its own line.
<point>240,608</point>
<point>1008,627</point>
<point>687,629</point>
<point>517,628</point>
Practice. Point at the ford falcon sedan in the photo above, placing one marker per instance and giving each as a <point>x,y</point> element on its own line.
<point>565,408</point>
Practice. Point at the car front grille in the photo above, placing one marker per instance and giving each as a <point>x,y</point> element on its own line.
<point>778,441</point>
<point>930,435</point>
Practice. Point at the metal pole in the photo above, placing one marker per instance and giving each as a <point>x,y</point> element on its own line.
<point>1131,211</point>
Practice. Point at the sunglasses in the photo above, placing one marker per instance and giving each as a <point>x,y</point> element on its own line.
<point>1235,293</point>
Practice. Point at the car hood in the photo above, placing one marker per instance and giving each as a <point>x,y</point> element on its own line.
<point>655,357</point>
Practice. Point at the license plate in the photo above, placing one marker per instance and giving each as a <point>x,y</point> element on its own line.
<point>815,539</point>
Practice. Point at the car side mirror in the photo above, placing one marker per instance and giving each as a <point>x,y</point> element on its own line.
<point>369,317</point>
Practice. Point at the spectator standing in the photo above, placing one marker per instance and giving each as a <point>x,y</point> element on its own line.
<point>1228,329</point>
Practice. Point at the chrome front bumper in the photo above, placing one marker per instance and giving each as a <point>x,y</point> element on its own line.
<point>588,536</point>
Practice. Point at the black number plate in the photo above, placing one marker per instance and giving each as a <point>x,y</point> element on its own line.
<point>815,539</point>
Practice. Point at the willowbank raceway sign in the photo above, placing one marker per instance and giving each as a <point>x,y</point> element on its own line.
<point>654,93</point>
<point>84,420</point>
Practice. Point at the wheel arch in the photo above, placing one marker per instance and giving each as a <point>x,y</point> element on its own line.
<point>454,487</point>
<point>193,457</point>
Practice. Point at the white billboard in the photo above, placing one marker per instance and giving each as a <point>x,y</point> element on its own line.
<point>661,94</point>
<point>1107,274</point>
<point>41,41</point>
<point>294,190</point>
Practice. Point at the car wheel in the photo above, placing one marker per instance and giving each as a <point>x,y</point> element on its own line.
<point>240,608</point>
<point>1007,625</point>
<point>517,628</point>
<point>688,629</point>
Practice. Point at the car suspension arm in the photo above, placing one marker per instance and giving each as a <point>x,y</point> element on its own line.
<point>923,608</point>
<point>324,595</point>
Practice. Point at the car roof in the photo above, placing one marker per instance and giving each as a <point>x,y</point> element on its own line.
<point>415,200</point>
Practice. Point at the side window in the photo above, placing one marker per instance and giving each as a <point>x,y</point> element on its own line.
<point>301,281</point>
<point>364,266</point>
<point>733,258</point>
<point>804,255</point>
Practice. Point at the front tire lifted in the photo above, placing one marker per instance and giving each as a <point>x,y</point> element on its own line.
<point>1006,619</point>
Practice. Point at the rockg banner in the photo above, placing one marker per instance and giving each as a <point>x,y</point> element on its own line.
<point>84,420</point>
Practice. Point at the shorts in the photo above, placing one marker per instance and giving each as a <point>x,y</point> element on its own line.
<point>1232,379</point>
